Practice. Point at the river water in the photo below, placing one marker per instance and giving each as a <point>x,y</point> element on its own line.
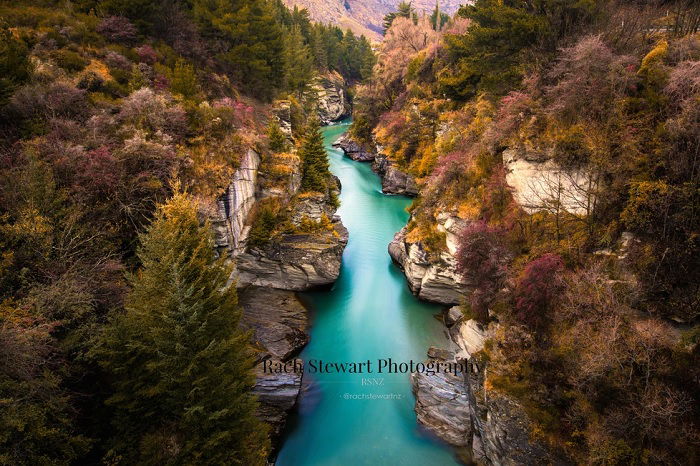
<point>369,314</point>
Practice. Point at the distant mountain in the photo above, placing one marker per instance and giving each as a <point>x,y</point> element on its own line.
<point>365,16</point>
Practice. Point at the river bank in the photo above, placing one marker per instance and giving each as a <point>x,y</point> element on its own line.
<point>369,313</point>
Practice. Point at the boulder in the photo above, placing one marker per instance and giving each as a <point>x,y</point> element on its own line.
<point>453,315</point>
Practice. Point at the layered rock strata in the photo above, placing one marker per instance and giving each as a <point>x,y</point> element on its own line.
<point>466,413</point>
<point>279,324</point>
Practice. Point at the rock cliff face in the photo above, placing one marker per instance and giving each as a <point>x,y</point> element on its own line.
<point>464,412</point>
<point>538,183</point>
<point>394,181</point>
<point>296,262</point>
<point>333,104</point>
<point>233,208</point>
<point>432,279</point>
<point>442,403</point>
<point>279,324</point>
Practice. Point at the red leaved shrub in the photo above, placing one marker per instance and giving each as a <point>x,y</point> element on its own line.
<point>147,54</point>
<point>482,261</point>
<point>118,29</point>
<point>537,287</point>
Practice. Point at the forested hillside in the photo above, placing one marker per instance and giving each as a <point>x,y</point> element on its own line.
<point>121,124</point>
<point>563,136</point>
<point>366,16</point>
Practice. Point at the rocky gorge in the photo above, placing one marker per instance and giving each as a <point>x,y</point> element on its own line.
<point>394,180</point>
<point>481,423</point>
<point>269,275</point>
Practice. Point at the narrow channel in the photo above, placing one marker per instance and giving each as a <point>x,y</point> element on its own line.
<point>369,314</point>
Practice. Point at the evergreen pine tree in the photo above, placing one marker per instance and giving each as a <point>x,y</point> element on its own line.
<point>315,172</point>
<point>366,57</point>
<point>252,37</point>
<point>318,47</point>
<point>438,18</point>
<point>404,10</point>
<point>298,62</point>
<point>181,370</point>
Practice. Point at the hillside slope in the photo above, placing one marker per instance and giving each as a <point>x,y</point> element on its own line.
<point>363,16</point>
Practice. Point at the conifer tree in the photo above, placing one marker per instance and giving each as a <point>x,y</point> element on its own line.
<point>315,172</point>
<point>438,18</point>
<point>181,370</point>
<point>252,38</point>
<point>298,62</point>
<point>404,10</point>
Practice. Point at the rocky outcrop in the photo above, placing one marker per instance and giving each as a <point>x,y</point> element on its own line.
<point>539,184</point>
<point>279,325</point>
<point>465,412</point>
<point>432,279</point>
<point>233,207</point>
<point>505,434</point>
<point>353,149</point>
<point>453,315</point>
<point>333,104</point>
<point>299,261</point>
<point>296,261</point>
<point>394,181</point>
<point>283,113</point>
<point>442,402</point>
<point>277,319</point>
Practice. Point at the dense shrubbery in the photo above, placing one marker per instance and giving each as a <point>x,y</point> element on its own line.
<point>608,92</point>
<point>102,106</point>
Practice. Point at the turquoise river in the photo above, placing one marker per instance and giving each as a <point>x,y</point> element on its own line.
<point>368,314</point>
